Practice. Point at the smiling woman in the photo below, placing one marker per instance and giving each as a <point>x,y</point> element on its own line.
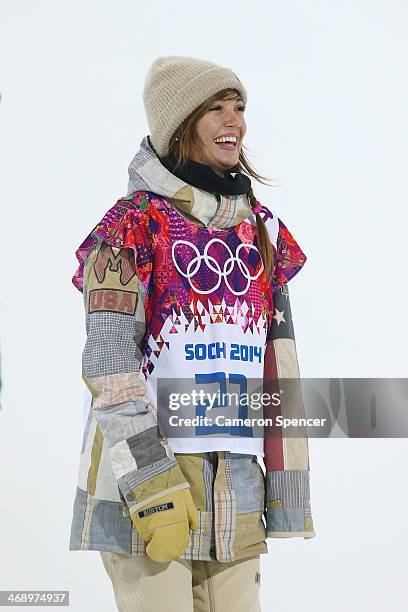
<point>223,122</point>
<point>180,285</point>
<point>205,124</point>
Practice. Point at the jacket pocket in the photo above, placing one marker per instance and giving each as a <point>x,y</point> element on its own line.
<point>250,530</point>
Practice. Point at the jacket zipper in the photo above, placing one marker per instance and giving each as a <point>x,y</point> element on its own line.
<point>218,197</point>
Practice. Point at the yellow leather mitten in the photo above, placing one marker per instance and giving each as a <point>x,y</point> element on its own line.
<point>165,524</point>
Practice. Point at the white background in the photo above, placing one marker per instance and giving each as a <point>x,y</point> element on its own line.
<point>327,121</point>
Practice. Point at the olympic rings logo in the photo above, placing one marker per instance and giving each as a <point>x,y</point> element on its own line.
<point>195,263</point>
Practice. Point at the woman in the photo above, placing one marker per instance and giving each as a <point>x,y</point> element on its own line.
<point>186,279</point>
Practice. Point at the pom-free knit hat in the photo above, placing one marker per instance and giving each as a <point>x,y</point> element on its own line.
<point>174,87</point>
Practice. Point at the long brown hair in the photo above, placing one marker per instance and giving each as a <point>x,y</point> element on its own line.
<point>181,146</point>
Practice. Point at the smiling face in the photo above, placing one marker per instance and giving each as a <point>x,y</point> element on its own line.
<point>223,118</point>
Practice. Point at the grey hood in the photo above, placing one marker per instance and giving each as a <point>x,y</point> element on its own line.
<point>147,173</point>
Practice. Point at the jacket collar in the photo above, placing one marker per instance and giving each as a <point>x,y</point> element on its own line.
<point>147,173</point>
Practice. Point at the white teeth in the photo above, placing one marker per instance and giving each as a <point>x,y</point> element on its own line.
<point>227,139</point>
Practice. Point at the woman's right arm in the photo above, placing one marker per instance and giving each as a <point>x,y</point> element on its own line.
<point>142,462</point>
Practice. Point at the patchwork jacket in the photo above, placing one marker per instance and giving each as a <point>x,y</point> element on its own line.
<point>240,503</point>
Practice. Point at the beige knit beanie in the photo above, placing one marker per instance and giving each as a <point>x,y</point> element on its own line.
<point>174,87</point>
